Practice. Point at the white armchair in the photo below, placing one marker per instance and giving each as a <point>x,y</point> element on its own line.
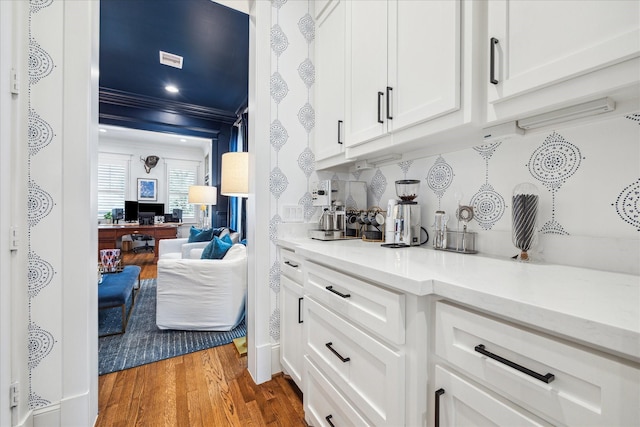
<point>202,294</point>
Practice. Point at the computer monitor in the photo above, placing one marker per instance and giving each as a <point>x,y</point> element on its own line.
<point>177,215</point>
<point>130,210</point>
<point>117,214</point>
<point>146,218</point>
<point>156,208</point>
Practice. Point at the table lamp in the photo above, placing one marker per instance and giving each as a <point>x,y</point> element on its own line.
<point>203,195</point>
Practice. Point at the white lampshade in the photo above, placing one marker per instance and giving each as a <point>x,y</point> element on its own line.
<point>203,195</point>
<point>235,174</point>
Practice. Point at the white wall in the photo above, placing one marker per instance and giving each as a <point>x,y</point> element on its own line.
<point>133,150</point>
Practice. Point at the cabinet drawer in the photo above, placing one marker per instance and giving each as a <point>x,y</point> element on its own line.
<point>586,389</point>
<point>291,265</point>
<point>324,404</point>
<point>379,310</point>
<point>462,403</point>
<point>366,371</point>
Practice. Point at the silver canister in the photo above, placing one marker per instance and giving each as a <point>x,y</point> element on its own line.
<point>440,226</point>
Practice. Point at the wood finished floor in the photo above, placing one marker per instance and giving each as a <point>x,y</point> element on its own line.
<point>206,388</point>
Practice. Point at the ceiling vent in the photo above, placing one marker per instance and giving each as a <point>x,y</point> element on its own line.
<point>171,60</point>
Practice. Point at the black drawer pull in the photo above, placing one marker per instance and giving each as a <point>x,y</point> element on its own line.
<point>338,355</point>
<point>492,61</point>
<point>339,131</point>
<point>436,412</point>
<point>330,289</point>
<point>544,378</point>
<point>291,264</point>
<point>380,107</point>
<point>328,418</point>
<point>389,116</point>
<point>299,310</point>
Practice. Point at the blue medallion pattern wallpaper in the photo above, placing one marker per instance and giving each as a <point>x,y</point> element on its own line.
<point>41,200</point>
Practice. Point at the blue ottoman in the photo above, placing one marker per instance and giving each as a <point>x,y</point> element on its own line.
<point>115,290</point>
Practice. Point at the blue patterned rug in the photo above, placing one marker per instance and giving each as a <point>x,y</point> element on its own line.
<point>143,342</point>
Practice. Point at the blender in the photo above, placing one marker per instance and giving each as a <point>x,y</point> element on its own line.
<point>405,215</point>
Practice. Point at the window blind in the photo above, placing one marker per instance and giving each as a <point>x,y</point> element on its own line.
<point>111,187</point>
<point>179,181</point>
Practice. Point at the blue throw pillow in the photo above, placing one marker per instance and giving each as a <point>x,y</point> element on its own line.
<point>198,235</point>
<point>218,248</point>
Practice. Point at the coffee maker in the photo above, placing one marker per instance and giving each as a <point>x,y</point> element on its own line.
<point>405,216</point>
<point>335,198</point>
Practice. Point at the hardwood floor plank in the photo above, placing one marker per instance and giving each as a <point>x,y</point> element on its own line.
<point>207,388</point>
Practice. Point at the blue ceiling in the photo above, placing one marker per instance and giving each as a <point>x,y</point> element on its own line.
<point>213,83</point>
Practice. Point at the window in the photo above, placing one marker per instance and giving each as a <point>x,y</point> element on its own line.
<point>180,177</point>
<point>112,178</point>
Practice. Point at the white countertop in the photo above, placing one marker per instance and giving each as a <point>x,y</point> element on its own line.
<point>599,308</point>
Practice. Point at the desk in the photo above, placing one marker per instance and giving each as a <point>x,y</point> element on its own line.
<point>108,235</point>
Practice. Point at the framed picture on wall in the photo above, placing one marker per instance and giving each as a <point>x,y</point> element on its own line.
<point>147,189</point>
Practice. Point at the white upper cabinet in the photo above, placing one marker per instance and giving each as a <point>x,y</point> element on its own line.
<point>403,65</point>
<point>424,60</point>
<point>330,79</point>
<point>559,51</point>
<point>367,70</point>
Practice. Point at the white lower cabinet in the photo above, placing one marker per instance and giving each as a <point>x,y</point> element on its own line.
<point>459,402</point>
<point>324,405</point>
<point>370,374</point>
<point>291,316</point>
<point>355,351</point>
<point>560,382</point>
<point>291,340</point>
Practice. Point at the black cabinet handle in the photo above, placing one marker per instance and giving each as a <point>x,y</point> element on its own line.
<point>492,60</point>
<point>299,310</point>
<point>436,412</point>
<point>328,418</point>
<point>389,89</point>
<point>544,378</point>
<point>339,131</point>
<point>291,264</point>
<point>330,289</point>
<point>338,355</point>
<point>379,107</point>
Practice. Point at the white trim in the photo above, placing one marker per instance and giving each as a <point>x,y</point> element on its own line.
<point>276,367</point>
<point>259,351</point>
<point>79,401</point>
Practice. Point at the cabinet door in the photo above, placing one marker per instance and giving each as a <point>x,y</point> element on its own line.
<point>291,339</point>
<point>461,403</point>
<point>330,80</point>
<point>367,70</point>
<point>541,43</point>
<point>424,60</point>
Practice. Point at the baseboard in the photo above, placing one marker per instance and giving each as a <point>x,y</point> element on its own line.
<point>275,359</point>
<point>27,421</point>
<point>47,417</point>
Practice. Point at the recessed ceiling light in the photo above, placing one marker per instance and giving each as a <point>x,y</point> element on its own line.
<point>171,88</point>
<point>103,130</point>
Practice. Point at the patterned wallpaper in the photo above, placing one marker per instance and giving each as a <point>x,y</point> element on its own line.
<point>587,177</point>
<point>44,184</point>
<point>292,125</point>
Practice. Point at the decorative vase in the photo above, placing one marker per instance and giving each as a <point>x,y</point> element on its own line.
<point>524,218</point>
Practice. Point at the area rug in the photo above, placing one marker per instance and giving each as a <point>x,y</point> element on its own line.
<point>143,342</point>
